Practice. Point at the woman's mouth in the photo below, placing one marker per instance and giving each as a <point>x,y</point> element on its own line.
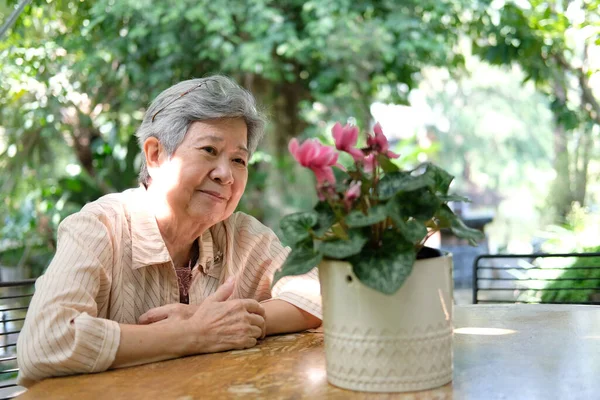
<point>214,195</point>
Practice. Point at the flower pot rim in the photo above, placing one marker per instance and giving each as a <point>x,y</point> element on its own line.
<point>443,254</point>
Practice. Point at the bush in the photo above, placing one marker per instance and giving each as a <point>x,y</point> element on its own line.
<point>576,296</point>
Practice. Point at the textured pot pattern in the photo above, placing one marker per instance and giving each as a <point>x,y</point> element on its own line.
<point>380,343</point>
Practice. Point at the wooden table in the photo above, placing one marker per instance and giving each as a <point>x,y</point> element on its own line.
<point>500,352</point>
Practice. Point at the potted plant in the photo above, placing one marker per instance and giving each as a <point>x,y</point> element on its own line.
<point>387,299</point>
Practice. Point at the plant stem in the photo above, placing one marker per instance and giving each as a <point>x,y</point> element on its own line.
<point>380,227</point>
<point>338,215</point>
<point>429,234</point>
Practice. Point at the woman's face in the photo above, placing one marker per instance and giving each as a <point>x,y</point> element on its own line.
<point>206,176</point>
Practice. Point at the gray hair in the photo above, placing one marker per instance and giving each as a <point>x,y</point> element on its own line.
<point>197,100</point>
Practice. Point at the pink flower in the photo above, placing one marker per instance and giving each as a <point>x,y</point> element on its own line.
<point>380,143</point>
<point>345,140</point>
<point>369,163</point>
<point>352,193</point>
<point>312,154</point>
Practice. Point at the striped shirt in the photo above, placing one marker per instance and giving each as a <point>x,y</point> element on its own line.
<point>112,265</point>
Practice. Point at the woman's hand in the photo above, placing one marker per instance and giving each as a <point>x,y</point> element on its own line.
<point>223,324</point>
<point>218,324</point>
<point>170,312</point>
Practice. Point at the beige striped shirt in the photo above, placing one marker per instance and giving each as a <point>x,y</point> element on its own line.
<point>112,265</point>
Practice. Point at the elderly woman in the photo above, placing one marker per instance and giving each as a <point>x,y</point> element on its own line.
<point>168,269</point>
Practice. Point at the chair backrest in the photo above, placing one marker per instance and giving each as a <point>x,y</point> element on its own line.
<point>567,278</point>
<point>14,302</point>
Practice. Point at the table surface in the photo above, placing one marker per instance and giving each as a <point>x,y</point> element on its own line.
<point>500,352</point>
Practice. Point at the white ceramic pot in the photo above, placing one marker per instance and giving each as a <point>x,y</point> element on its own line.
<point>380,343</point>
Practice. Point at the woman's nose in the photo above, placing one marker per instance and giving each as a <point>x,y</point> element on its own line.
<point>222,173</point>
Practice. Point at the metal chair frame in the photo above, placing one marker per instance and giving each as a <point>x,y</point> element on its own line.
<point>477,289</point>
<point>13,307</point>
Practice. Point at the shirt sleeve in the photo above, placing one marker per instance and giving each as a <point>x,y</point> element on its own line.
<point>257,254</point>
<point>62,333</point>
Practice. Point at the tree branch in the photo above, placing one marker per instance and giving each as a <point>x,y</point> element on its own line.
<point>13,16</point>
<point>587,94</point>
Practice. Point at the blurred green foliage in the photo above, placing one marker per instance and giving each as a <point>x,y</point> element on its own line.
<point>578,234</point>
<point>556,44</point>
<point>501,128</point>
<point>77,75</point>
<point>592,280</point>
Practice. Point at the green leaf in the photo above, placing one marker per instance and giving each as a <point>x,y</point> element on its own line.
<point>412,230</point>
<point>420,204</point>
<point>339,231</point>
<point>300,261</point>
<point>386,164</point>
<point>340,249</point>
<point>386,268</point>
<point>326,218</point>
<point>454,197</point>
<point>357,219</point>
<point>296,227</point>
<point>396,182</point>
<point>441,179</point>
<point>458,228</point>
<point>339,174</point>
<point>445,217</point>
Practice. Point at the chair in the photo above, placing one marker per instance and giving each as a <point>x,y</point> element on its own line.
<point>569,278</point>
<point>14,302</point>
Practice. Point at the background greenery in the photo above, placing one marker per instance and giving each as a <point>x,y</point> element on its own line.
<point>592,276</point>
<point>502,94</point>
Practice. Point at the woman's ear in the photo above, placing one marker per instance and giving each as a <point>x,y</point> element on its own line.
<point>153,152</point>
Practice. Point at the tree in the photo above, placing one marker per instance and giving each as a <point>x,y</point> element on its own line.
<point>554,42</point>
<point>80,75</point>
<point>495,132</point>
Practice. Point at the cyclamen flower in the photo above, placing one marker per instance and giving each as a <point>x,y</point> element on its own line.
<point>317,157</point>
<point>345,140</point>
<point>380,143</point>
<point>352,193</point>
<point>369,163</point>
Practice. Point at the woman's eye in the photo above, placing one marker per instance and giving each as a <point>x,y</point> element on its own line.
<point>210,150</point>
<point>240,161</point>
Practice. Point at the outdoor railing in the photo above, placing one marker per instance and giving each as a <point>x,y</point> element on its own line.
<point>567,278</point>
<point>14,302</point>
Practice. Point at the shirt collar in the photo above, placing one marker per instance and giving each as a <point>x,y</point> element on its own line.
<point>211,257</point>
<point>148,246</point>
